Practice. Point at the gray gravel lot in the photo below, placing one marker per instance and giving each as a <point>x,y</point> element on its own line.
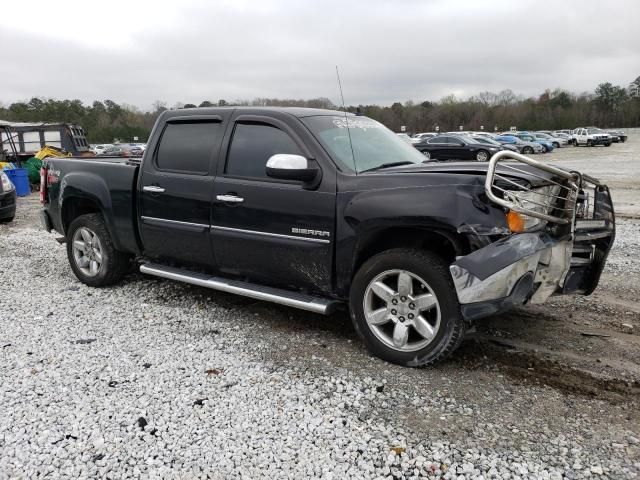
<point>154,379</point>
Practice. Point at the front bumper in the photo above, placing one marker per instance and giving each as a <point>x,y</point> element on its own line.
<point>529,268</point>
<point>7,205</point>
<point>601,141</point>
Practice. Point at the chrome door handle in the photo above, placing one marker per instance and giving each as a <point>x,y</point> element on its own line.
<point>230,198</point>
<point>152,189</point>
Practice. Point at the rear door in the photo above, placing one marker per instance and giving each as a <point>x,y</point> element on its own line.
<point>176,189</point>
<point>273,231</point>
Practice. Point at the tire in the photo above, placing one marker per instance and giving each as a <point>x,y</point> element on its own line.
<point>482,156</point>
<point>527,151</point>
<point>589,143</point>
<point>430,279</point>
<point>427,154</point>
<point>110,264</point>
<point>608,144</point>
<point>7,219</point>
<point>555,145</point>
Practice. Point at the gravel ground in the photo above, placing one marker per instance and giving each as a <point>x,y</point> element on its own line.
<point>154,379</point>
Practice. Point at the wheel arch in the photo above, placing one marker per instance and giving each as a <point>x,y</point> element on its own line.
<point>447,244</point>
<point>74,206</point>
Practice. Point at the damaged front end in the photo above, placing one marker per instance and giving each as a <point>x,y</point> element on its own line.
<point>560,236</point>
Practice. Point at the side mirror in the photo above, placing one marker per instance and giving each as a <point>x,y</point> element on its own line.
<point>284,166</point>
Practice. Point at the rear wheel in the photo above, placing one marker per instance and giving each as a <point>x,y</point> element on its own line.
<point>482,155</point>
<point>527,150</point>
<point>404,306</point>
<point>92,256</point>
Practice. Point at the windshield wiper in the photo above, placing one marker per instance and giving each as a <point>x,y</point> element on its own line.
<point>388,165</point>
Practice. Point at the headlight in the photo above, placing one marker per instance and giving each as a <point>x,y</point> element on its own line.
<point>540,200</point>
<point>7,186</point>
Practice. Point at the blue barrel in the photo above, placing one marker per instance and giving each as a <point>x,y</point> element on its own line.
<point>20,180</point>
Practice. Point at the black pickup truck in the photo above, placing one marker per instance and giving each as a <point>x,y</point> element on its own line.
<point>316,209</point>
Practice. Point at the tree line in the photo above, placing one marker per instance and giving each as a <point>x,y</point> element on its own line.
<point>607,106</point>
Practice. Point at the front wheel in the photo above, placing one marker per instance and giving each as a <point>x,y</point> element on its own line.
<point>589,143</point>
<point>404,306</point>
<point>608,144</point>
<point>427,154</point>
<point>92,256</point>
<point>556,145</point>
<point>527,150</point>
<point>482,156</point>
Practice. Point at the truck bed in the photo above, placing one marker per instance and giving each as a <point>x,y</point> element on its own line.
<point>111,181</point>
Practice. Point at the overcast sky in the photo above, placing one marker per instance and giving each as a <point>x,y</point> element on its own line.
<point>137,52</point>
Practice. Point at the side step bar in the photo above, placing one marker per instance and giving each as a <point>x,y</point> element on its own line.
<point>276,295</point>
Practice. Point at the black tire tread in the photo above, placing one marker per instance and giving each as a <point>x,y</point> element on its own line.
<point>453,338</point>
<point>117,262</point>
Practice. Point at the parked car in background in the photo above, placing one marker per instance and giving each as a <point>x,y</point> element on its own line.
<point>566,132</point>
<point>456,147</point>
<point>529,137</point>
<point>526,148</point>
<point>617,136</point>
<point>7,198</point>
<point>564,136</point>
<point>100,148</point>
<point>591,136</point>
<point>122,151</point>
<point>557,142</point>
<point>421,137</point>
<point>490,141</point>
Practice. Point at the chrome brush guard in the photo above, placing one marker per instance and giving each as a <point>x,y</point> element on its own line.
<point>564,199</point>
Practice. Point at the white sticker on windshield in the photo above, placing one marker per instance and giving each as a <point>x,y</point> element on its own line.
<point>356,122</point>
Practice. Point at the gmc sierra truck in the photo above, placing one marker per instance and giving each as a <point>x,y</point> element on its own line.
<point>316,209</point>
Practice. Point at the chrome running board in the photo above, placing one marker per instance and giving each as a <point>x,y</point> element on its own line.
<point>310,303</point>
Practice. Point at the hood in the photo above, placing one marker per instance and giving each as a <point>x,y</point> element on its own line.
<point>532,175</point>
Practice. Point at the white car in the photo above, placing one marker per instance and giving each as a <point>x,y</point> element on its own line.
<point>98,149</point>
<point>421,137</point>
<point>556,141</point>
<point>591,136</point>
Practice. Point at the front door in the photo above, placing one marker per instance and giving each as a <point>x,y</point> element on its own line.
<point>272,231</point>
<point>176,189</point>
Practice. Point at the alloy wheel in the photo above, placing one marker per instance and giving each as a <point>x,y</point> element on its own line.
<point>87,251</point>
<point>402,310</point>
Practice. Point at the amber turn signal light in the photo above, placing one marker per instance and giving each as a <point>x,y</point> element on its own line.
<point>515,221</point>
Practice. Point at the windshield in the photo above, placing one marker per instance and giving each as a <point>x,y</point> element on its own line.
<point>594,130</point>
<point>373,144</point>
<point>543,135</point>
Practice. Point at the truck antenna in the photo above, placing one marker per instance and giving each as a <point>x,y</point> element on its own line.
<point>344,108</point>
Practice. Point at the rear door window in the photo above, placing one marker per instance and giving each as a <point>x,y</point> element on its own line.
<point>188,147</point>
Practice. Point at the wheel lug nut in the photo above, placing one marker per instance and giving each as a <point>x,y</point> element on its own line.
<point>410,316</point>
<point>394,301</point>
<point>412,306</point>
<point>404,299</point>
<point>394,311</point>
<point>401,319</point>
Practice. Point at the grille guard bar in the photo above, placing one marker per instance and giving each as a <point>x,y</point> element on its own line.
<point>570,185</point>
